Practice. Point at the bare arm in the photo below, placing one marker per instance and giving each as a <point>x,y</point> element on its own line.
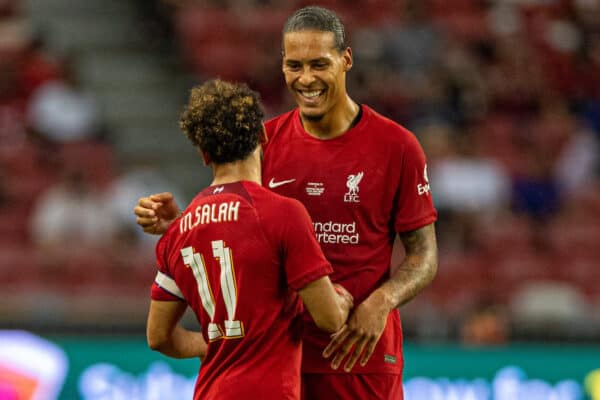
<point>367,322</point>
<point>328,306</point>
<point>165,335</point>
<point>416,271</point>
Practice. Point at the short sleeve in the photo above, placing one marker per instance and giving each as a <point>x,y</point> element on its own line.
<point>303,258</point>
<point>164,287</point>
<point>414,204</point>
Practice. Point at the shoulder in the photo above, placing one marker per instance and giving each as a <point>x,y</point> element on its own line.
<point>279,123</point>
<point>164,244</point>
<point>271,205</point>
<point>386,127</point>
<point>279,216</point>
<point>390,132</point>
<point>277,212</point>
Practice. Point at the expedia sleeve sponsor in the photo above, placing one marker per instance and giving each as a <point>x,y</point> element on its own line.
<point>336,232</point>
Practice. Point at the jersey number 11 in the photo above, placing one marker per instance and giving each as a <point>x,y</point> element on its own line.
<point>233,329</point>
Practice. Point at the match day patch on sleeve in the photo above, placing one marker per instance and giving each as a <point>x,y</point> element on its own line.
<point>168,283</point>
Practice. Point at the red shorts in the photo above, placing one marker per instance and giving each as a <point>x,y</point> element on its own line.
<point>352,387</point>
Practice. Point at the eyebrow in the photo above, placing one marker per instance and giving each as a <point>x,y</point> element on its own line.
<point>314,60</point>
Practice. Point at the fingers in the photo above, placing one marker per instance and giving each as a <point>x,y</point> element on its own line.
<point>161,197</point>
<point>356,345</point>
<point>336,341</point>
<point>146,222</point>
<point>144,212</point>
<point>146,203</point>
<point>368,353</point>
<point>344,350</point>
<point>146,217</point>
<point>358,350</point>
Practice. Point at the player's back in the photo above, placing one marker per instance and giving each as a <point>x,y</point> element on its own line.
<point>228,255</point>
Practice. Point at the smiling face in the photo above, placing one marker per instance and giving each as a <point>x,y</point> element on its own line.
<point>315,72</point>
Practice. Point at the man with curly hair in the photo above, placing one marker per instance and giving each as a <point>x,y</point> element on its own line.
<point>242,258</point>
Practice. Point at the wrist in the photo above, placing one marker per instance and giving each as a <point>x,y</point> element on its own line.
<point>344,296</point>
<point>179,214</point>
<point>383,297</point>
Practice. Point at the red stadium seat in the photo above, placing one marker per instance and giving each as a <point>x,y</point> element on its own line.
<point>227,60</point>
<point>460,281</point>
<point>444,7</point>
<point>196,26</point>
<point>583,271</point>
<point>19,263</point>
<point>495,138</point>
<point>506,231</point>
<point>14,228</point>
<point>586,202</point>
<point>265,23</point>
<point>574,234</point>
<point>515,269</point>
<point>95,160</point>
<point>469,27</point>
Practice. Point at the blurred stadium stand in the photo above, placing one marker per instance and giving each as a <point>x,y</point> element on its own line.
<point>509,85</point>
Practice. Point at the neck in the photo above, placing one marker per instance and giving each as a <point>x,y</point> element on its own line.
<point>335,122</point>
<point>245,170</point>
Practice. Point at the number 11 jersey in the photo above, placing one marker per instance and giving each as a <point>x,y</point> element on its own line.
<point>237,256</point>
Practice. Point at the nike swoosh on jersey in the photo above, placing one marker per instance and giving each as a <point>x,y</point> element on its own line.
<point>273,184</point>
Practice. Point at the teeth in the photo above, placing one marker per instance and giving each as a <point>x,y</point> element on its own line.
<point>311,94</point>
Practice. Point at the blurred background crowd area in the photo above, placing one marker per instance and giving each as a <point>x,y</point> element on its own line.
<point>503,95</point>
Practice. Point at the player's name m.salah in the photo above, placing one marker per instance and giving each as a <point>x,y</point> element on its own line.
<point>209,213</point>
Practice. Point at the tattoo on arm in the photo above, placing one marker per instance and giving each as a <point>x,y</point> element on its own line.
<point>417,269</point>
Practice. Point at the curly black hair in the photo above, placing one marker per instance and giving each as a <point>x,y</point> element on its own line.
<point>224,119</point>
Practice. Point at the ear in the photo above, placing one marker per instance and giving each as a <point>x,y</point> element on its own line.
<point>348,61</point>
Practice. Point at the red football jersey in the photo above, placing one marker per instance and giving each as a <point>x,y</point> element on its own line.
<point>237,256</point>
<point>360,189</point>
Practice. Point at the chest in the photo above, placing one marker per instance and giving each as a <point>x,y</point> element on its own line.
<point>333,179</point>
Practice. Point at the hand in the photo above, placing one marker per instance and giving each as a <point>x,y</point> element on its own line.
<point>345,295</point>
<point>156,212</point>
<point>360,334</point>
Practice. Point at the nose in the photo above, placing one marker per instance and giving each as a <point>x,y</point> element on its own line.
<point>306,76</point>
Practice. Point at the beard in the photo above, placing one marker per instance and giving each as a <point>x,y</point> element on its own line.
<point>312,118</point>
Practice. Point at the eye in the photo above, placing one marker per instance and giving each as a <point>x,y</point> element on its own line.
<point>293,66</point>
<point>321,64</point>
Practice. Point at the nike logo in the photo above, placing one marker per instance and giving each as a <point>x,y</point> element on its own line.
<point>273,184</point>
